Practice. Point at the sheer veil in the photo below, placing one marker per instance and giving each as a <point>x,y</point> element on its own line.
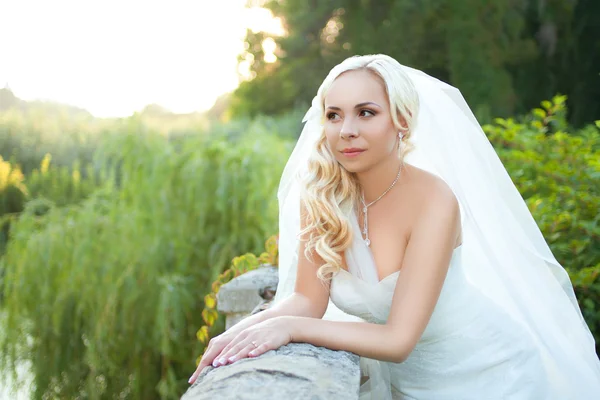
<point>503,249</point>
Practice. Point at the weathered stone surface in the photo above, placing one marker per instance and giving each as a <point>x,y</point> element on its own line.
<point>237,298</point>
<point>233,318</point>
<point>295,371</point>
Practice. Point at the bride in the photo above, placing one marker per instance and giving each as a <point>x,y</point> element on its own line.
<point>403,240</point>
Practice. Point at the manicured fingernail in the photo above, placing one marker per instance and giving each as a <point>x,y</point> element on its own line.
<point>190,380</point>
<point>222,361</point>
<point>252,353</point>
<point>232,359</point>
<point>215,363</point>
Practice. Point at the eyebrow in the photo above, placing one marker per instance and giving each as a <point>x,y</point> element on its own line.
<point>359,105</point>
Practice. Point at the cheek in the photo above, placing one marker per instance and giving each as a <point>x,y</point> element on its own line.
<point>331,136</point>
<point>387,137</point>
<point>381,138</point>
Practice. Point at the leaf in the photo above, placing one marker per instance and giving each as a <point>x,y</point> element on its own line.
<point>210,301</point>
<point>272,248</point>
<point>538,112</point>
<point>537,124</point>
<point>216,286</point>
<point>209,316</point>
<point>202,334</point>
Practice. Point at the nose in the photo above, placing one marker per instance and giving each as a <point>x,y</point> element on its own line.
<point>348,130</point>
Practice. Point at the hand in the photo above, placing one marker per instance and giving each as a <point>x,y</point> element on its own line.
<point>215,346</point>
<point>257,339</point>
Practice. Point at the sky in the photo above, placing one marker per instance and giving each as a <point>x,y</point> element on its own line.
<point>113,57</point>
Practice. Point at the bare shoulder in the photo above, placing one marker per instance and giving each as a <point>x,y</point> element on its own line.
<point>433,195</point>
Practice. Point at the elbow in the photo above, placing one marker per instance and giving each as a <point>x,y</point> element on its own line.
<point>400,355</point>
<point>311,308</point>
<point>401,349</point>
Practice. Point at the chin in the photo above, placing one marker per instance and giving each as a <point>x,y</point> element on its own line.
<point>352,167</point>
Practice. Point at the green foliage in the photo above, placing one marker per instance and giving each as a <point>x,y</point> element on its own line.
<point>13,194</point>
<point>12,188</point>
<point>104,297</point>
<point>567,35</point>
<point>557,173</point>
<point>61,184</point>
<point>240,265</point>
<point>29,131</point>
<point>504,55</point>
<point>26,137</point>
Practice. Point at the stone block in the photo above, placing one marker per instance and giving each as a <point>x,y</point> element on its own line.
<point>237,298</point>
<point>295,371</point>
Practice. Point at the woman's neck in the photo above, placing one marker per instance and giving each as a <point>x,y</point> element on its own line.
<point>379,178</point>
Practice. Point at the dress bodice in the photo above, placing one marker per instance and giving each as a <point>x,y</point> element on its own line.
<point>371,301</point>
<point>470,346</point>
<point>359,292</point>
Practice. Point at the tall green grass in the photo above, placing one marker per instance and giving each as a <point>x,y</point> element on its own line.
<point>104,297</point>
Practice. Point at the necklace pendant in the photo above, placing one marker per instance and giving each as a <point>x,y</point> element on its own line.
<point>364,210</point>
<point>367,242</point>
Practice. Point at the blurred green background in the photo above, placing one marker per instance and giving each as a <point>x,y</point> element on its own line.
<point>113,229</point>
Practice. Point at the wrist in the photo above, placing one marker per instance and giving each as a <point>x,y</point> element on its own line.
<point>292,326</point>
<point>248,321</point>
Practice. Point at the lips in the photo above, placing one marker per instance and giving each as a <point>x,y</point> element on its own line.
<point>351,152</point>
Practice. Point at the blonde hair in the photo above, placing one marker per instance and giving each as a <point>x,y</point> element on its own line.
<point>331,191</point>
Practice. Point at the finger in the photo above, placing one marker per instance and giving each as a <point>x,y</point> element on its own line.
<point>261,349</point>
<point>238,349</point>
<point>221,358</point>
<point>206,360</point>
<point>208,357</point>
<point>243,353</point>
<point>195,375</point>
<point>197,372</point>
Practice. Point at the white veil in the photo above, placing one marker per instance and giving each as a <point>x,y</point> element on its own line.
<point>509,258</point>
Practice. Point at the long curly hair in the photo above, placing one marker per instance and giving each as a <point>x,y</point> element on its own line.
<point>330,192</point>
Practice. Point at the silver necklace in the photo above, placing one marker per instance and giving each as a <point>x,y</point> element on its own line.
<point>365,230</point>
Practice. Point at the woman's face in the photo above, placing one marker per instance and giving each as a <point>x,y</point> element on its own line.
<point>358,124</point>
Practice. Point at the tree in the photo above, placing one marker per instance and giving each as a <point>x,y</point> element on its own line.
<point>495,52</point>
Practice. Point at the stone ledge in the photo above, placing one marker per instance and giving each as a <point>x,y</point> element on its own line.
<point>295,371</point>
<point>241,294</point>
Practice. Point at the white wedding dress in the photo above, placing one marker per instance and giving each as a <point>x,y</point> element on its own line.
<point>507,324</point>
<point>469,350</point>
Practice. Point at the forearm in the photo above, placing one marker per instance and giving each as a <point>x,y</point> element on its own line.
<point>362,338</point>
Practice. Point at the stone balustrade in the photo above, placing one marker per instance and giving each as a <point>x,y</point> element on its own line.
<point>295,371</point>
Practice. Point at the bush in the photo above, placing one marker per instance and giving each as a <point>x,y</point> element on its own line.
<point>13,194</point>
<point>13,191</point>
<point>557,172</point>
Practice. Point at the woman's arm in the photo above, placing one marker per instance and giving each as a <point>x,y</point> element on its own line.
<point>362,338</point>
<point>310,299</point>
<point>418,287</point>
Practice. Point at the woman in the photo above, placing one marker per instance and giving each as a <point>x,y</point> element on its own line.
<point>446,287</point>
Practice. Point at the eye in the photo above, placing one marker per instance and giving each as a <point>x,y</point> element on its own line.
<point>366,113</point>
<point>331,116</point>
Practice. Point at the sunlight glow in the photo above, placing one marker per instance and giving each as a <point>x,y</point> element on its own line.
<point>114,57</point>
<point>269,46</point>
